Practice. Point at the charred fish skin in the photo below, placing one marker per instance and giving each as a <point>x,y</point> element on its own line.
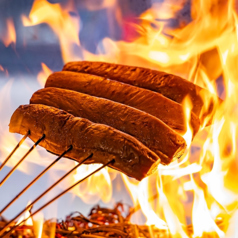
<point>62,130</point>
<point>149,130</point>
<point>166,110</point>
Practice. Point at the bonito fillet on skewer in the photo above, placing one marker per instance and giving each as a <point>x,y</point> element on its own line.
<point>168,111</point>
<point>63,130</point>
<point>149,130</point>
<point>169,85</point>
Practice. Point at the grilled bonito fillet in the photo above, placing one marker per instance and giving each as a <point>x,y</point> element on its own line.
<point>171,86</point>
<point>148,129</point>
<point>62,130</point>
<point>168,111</point>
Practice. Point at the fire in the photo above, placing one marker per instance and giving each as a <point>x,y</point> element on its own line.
<point>202,219</point>
<point>43,75</point>
<point>26,216</point>
<point>38,223</point>
<point>64,23</point>
<point>187,106</point>
<point>5,71</point>
<point>201,188</point>
<point>91,190</point>
<point>97,5</point>
<point>10,33</point>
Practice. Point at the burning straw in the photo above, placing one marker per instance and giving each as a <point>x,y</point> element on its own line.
<point>101,222</point>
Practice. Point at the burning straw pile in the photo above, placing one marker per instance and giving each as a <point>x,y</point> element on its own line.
<point>101,222</point>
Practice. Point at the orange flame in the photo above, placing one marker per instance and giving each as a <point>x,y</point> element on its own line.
<point>43,75</point>
<point>38,225</point>
<point>10,35</point>
<point>26,216</point>
<point>91,190</point>
<point>64,24</point>
<point>97,5</point>
<point>187,107</point>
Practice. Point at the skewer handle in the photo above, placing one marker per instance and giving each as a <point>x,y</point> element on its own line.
<point>34,180</point>
<point>58,196</point>
<point>40,196</point>
<point>21,160</point>
<point>14,150</point>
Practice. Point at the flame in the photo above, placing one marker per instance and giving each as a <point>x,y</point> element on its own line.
<point>26,215</point>
<point>91,190</point>
<point>201,188</point>
<point>4,70</point>
<point>38,225</point>
<point>98,5</point>
<point>202,219</point>
<point>9,36</point>
<point>215,147</point>
<point>187,107</point>
<point>61,21</point>
<point>43,75</point>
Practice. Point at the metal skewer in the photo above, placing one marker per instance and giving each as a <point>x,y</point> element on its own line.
<point>34,180</point>
<point>14,150</point>
<point>44,193</point>
<point>55,198</point>
<point>21,160</point>
<point>6,228</point>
